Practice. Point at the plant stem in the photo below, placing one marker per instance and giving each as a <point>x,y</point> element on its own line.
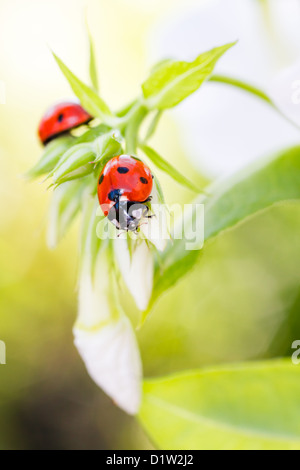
<point>132,127</point>
<point>153,125</point>
<point>252,90</point>
<point>244,86</point>
<point>125,110</point>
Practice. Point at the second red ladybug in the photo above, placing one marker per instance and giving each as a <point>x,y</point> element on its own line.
<point>61,118</point>
<point>124,189</point>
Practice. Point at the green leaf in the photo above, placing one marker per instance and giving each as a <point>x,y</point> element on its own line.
<point>88,98</point>
<point>253,90</point>
<point>173,81</point>
<point>160,194</point>
<point>92,64</point>
<point>253,190</point>
<point>90,242</point>
<point>162,63</point>
<point>52,154</point>
<point>244,407</point>
<point>261,185</point>
<point>163,165</point>
<point>238,303</point>
<point>81,172</point>
<point>125,109</point>
<point>76,162</point>
<point>153,125</point>
<point>92,134</point>
<point>65,205</point>
<point>108,145</point>
<point>55,150</point>
<point>225,80</point>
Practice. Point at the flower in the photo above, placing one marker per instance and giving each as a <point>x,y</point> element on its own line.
<point>224,128</point>
<point>137,269</point>
<point>285,91</point>
<point>137,264</point>
<point>156,228</point>
<point>106,341</point>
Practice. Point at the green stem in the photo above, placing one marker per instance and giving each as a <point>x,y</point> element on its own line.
<point>125,110</point>
<point>252,90</point>
<point>244,86</point>
<point>153,125</point>
<point>125,115</point>
<point>131,114</point>
<point>132,128</point>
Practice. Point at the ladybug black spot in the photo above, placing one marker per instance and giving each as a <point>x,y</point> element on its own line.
<point>143,180</point>
<point>101,179</point>
<point>60,118</point>
<point>122,170</point>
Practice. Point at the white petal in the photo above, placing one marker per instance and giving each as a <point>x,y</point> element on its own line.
<point>285,91</point>
<point>157,228</point>
<point>93,301</point>
<point>112,358</point>
<point>106,341</point>
<point>137,270</point>
<point>222,128</point>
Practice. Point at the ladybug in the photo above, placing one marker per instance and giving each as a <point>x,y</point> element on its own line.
<point>124,189</point>
<point>61,118</point>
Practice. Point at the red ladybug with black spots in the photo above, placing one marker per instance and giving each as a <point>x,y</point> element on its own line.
<point>60,119</point>
<point>124,189</point>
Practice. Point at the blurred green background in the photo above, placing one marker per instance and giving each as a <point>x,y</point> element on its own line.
<point>240,303</point>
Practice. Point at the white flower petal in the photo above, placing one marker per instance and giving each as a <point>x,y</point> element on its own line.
<point>93,301</point>
<point>223,128</point>
<point>137,270</point>
<point>112,359</point>
<point>285,92</point>
<point>156,229</point>
<point>106,341</point>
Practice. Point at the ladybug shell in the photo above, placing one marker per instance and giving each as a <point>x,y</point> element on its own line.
<point>61,118</point>
<point>131,177</point>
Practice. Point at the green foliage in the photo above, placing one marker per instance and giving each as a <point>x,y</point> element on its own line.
<point>75,163</point>
<point>107,146</point>
<point>253,190</point>
<point>163,165</point>
<point>53,153</point>
<point>230,408</point>
<point>251,406</point>
<point>153,124</point>
<point>92,64</point>
<point>172,81</point>
<point>89,99</point>
<point>92,134</point>
<point>66,204</point>
<point>239,303</point>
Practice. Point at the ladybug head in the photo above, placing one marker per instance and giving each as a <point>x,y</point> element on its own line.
<point>127,215</point>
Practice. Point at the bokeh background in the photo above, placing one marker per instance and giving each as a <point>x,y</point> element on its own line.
<point>242,300</point>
